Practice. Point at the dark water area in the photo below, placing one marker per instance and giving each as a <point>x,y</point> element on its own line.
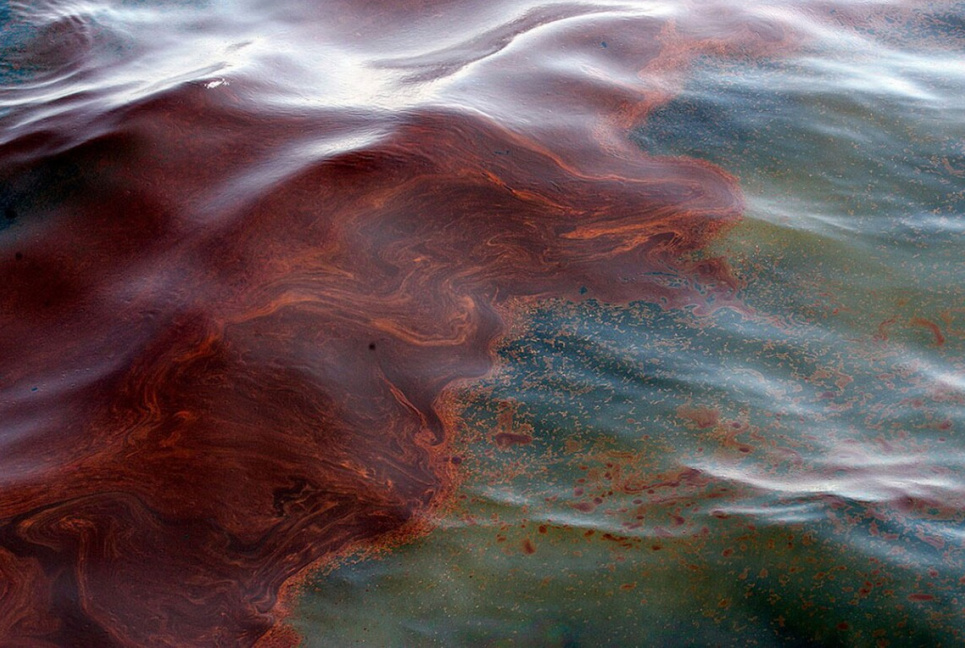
<point>452,323</point>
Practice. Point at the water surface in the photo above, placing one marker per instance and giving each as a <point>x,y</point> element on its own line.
<point>543,324</point>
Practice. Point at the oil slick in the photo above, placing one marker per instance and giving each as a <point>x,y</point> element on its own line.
<point>227,327</point>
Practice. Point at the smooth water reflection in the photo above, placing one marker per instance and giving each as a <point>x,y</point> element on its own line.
<point>779,467</point>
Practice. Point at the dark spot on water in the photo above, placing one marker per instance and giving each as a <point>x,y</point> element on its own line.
<point>507,439</point>
<point>10,213</point>
<point>371,346</point>
<point>945,25</point>
<point>287,499</point>
<point>18,256</point>
<point>33,389</point>
<point>582,290</point>
<point>501,152</point>
<point>603,44</point>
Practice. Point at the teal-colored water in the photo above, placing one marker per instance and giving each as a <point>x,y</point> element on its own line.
<point>793,474</point>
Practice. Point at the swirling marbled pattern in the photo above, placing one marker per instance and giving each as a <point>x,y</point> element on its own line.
<point>226,329</point>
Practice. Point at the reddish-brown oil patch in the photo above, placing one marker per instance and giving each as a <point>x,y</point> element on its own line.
<point>702,417</point>
<point>508,432</point>
<point>225,332</point>
<point>507,439</point>
<point>270,392</point>
<point>280,636</point>
<point>626,542</point>
<point>931,326</point>
<point>920,598</point>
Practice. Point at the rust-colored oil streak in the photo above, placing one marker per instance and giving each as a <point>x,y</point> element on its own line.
<point>222,350</point>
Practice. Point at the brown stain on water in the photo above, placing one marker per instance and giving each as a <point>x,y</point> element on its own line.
<point>214,383</point>
<point>930,326</point>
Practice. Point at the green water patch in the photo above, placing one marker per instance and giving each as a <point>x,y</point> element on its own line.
<point>721,479</point>
<point>842,133</point>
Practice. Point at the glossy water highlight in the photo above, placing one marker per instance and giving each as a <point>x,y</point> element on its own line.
<point>227,326</point>
<point>248,253</point>
<point>789,476</point>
